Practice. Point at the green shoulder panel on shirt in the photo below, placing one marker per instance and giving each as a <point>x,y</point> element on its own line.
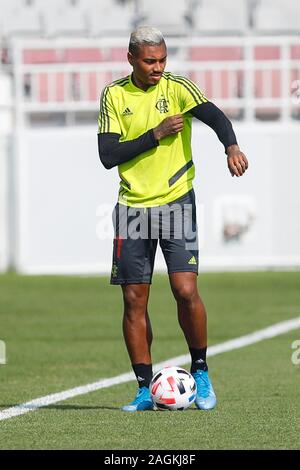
<point>189,93</point>
<point>106,116</point>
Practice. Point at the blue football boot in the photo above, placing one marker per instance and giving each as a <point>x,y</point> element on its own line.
<point>141,402</point>
<point>206,398</point>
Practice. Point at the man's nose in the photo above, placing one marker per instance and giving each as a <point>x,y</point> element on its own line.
<point>158,67</point>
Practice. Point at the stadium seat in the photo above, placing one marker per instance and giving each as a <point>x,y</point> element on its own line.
<point>267,83</point>
<point>168,16</point>
<point>227,83</point>
<point>63,87</point>
<point>222,83</point>
<point>216,53</point>
<point>108,17</point>
<point>40,56</point>
<point>220,17</point>
<point>21,20</point>
<point>50,5</point>
<point>277,16</point>
<point>7,4</point>
<point>64,20</point>
<point>82,55</point>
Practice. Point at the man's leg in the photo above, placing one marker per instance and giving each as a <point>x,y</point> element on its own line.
<point>190,308</point>
<point>138,338</point>
<point>136,323</point>
<point>132,268</point>
<point>192,319</point>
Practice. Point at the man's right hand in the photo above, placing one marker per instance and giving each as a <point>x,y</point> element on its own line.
<point>170,125</point>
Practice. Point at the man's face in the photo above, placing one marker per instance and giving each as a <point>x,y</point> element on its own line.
<point>148,64</point>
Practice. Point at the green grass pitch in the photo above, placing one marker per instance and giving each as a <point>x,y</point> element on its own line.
<point>61,332</point>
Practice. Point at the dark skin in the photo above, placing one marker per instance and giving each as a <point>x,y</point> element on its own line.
<point>136,323</point>
<point>148,63</point>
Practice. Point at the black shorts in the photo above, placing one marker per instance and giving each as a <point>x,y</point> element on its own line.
<point>137,232</point>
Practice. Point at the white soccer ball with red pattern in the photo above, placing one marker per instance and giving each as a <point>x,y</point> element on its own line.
<point>173,388</point>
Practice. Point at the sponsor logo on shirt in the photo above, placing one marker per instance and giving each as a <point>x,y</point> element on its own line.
<point>127,112</point>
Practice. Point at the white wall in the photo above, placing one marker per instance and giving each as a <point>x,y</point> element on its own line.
<point>6,121</point>
<point>4,255</point>
<point>61,186</point>
<point>267,196</point>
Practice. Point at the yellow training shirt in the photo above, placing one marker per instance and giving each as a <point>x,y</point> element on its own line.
<point>164,173</point>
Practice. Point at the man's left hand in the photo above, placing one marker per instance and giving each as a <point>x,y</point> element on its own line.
<point>236,160</point>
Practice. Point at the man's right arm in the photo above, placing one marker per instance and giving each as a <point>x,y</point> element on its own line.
<point>112,152</point>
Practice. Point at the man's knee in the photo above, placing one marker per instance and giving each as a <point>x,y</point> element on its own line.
<point>135,297</point>
<point>185,292</point>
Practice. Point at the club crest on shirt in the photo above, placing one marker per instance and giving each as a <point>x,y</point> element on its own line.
<point>162,105</point>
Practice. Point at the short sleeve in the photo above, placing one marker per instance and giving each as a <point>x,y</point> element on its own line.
<point>190,95</point>
<point>107,119</point>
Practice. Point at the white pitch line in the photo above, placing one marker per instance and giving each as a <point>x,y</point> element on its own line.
<point>242,341</point>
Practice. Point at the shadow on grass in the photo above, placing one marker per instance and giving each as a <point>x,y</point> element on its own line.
<point>80,407</point>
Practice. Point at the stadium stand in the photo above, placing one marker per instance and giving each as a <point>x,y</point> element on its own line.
<point>81,45</point>
<point>220,17</point>
<point>221,84</point>
<point>64,20</point>
<point>173,18</point>
<point>277,16</point>
<point>106,17</point>
<point>98,18</point>
<point>20,19</point>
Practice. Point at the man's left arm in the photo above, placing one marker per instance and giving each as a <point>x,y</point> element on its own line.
<point>211,115</point>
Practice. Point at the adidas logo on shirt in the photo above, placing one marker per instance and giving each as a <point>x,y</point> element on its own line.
<point>127,112</point>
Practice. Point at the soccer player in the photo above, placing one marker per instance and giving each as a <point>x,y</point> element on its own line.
<point>145,129</point>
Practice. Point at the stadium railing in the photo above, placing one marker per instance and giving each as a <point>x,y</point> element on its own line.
<point>250,78</point>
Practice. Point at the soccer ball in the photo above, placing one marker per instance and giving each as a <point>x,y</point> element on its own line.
<point>173,388</point>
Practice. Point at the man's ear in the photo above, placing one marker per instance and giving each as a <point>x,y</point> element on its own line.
<point>130,58</point>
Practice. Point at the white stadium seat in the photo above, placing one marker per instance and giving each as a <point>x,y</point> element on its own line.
<point>167,15</point>
<point>7,4</point>
<point>21,20</point>
<point>277,16</point>
<point>220,17</point>
<point>64,20</point>
<point>50,4</point>
<point>174,17</point>
<point>108,17</point>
